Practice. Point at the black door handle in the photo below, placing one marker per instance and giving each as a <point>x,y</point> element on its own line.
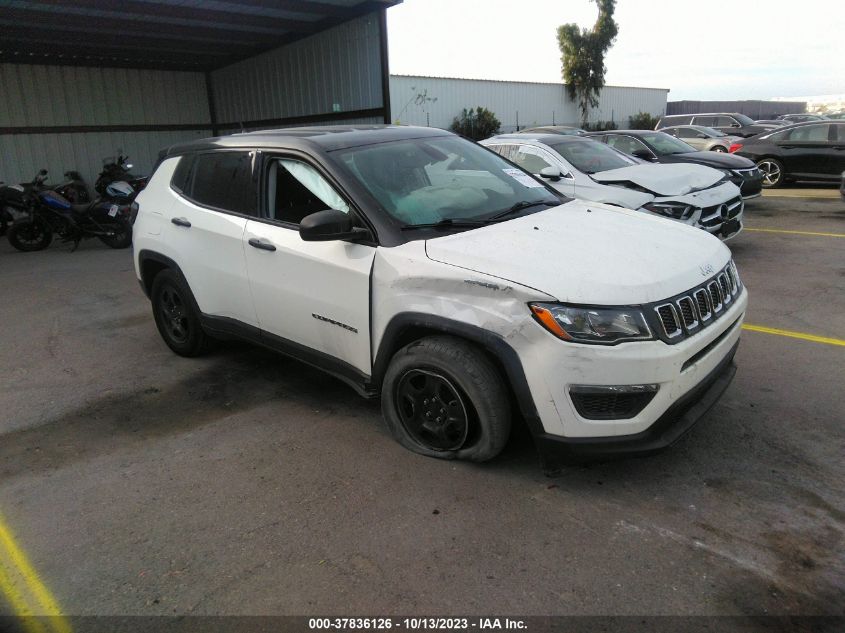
<point>181,222</point>
<point>264,246</point>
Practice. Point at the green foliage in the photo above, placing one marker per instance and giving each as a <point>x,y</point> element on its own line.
<point>642,121</point>
<point>582,55</point>
<point>600,126</point>
<point>476,124</point>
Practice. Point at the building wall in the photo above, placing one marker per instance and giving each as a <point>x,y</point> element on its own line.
<point>436,101</point>
<point>64,118</point>
<point>756,109</point>
<point>333,72</point>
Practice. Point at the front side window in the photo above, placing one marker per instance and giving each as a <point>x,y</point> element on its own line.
<point>224,180</point>
<point>726,121</point>
<point>706,121</point>
<point>296,189</point>
<point>686,132</point>
<point>430,180</point>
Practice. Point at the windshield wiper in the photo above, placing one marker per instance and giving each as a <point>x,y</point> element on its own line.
<point>519,206</point>
<point>446,223</point>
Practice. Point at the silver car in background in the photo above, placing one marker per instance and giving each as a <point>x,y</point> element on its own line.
<point>702,138</point>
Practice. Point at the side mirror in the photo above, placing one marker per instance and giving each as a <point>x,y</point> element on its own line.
<point>328,226</point>
<point>644,154</point>
<point>735,124</point>
<point>700,135</point>
<point>551,173</point>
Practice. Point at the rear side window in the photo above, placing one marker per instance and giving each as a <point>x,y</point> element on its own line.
<point>812,133</point>
<point>225,180</point>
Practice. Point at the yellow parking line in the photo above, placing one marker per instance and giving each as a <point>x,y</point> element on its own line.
<point>13,559</point>
<point>799,335</point>
<point>797,232</point>
<point>18,602</point>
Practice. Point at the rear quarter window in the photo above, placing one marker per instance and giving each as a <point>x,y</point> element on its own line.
<point>182,174</point>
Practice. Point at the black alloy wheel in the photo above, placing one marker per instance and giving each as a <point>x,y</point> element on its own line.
<point>172,307</point>
<point>176,316</point>
<point>432,410</point>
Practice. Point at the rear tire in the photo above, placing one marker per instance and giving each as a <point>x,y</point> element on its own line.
<point>177,321</point>
<point>30,234</point>
<point>774,174</point>
<point>442,397</point>
<point>122,237</point>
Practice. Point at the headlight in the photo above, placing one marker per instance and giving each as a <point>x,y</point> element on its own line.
<point>605,326</point>
<point>675,210</point>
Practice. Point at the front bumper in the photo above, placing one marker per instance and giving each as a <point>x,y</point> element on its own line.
<point>682,370</point>
<point>750,186</point>
<point>669,428</point>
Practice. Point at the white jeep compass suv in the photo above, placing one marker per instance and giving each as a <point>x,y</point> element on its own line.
<point>425,269</point>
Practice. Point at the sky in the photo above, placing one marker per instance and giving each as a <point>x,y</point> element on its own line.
<point>699,49</point>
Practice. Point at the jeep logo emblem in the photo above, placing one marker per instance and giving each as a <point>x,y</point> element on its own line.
<point>706,270</point>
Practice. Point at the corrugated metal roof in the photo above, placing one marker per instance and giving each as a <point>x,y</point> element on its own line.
<point>163,34</point>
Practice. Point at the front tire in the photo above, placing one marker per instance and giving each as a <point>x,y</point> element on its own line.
<point>176,319</point>
<point>30,234</point>
<point>773,172</point>
<point>442,397</point>
<point>718,148</point>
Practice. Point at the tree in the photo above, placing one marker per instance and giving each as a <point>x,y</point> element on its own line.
<point>642,121</point>
<point>582,55</point>
<point>476,124</point>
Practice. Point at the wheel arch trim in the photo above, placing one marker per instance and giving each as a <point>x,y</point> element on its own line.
<point>507,359</point>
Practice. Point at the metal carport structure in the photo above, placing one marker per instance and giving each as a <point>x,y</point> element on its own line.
<point>80,79</point>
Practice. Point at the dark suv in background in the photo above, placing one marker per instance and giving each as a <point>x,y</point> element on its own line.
<point>732,123</point>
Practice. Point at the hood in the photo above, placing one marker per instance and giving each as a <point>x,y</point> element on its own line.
<point>710,159</point>
<point>588,254</point>
<point>663,180</point>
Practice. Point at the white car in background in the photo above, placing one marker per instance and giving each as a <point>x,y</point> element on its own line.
<point>588,170</point>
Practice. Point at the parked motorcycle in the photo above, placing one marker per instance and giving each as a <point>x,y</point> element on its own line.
<point>50,213</point>
<point>117,170</point>
<point>15,200</point>
<point>73,189</point>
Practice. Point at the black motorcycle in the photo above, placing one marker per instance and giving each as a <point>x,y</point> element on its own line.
<point>14,199</point>
<point>73,189</point>
<point>49,213</point>
<point>117,170</point>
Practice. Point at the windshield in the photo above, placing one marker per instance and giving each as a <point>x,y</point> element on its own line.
<point>743,120</point>
<point>431,180</point>
<point>590,157</point>
<point>664,144</point>
<point>709,131</point>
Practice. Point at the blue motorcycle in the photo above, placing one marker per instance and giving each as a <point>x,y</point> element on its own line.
<point>50,214</point>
